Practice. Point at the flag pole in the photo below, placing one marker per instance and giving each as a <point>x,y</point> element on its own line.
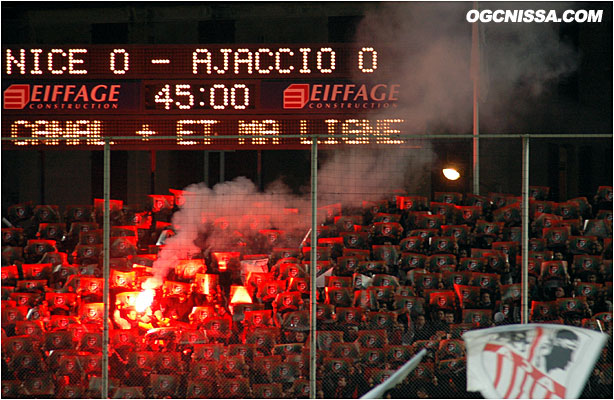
<point>380,390</point>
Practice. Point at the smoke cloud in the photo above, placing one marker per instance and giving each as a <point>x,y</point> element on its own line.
<point>431,43</point>
<point>231,215</point>
<point>352,176</point>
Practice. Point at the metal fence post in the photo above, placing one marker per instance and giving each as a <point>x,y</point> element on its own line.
<point>206,168</point>
<point>475,72</point>
<point>106,255</point>
<point>525,230</point>
<point>312,271</point>
<point>222,166</point>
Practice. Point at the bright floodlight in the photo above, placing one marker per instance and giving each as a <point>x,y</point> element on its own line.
<point>451,174</point>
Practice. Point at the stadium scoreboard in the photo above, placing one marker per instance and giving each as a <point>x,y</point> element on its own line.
<point>263,96</point>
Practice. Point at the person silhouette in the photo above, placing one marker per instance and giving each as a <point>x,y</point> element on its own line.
<point>563,346</point>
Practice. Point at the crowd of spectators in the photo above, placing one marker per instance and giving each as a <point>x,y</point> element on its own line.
<point>394,276</point>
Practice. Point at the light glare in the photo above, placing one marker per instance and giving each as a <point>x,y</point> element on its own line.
<point>451,174</point>
<point>144,300</point>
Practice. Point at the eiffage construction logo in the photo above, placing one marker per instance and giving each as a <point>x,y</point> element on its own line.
<point>16,97</point>
<point>89,96</point>
<point>298,96</point>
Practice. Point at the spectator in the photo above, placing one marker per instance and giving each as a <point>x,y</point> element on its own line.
<point>343,390</point>
<point>171,311</point>
<point>357,378</point>
<point>422,329</point>
<point>423,392</point>
<point>329,385</point>
<point>449,318</point>
<point>439,324</point>
<point>485,300</point>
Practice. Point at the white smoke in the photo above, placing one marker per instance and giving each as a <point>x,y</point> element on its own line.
<point>431,43</point>
<point>219,218</point>
<point>352,176</point>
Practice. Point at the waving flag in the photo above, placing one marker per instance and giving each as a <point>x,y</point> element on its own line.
<point>244,350</point>
<point>291,270</point>
<point>354,240</point>
<point>451,278</point>
<point>321,279</point>
<point>346,350</point>
<point>288,301</point>
<point>338,281</point>
<point>468,296</point>
<point>282,252</point>
<point>388,379</point>
<point>449,197</point>
<point>412,203</point>
<point>296,321</point>
<point>349,264</point>
<point>411,244</point>
<point>267,390</point>
<point>537,361</point>
<point>411,261</point>
<point>345,223</point>
<point>200,389</point>
<point>203,370</point>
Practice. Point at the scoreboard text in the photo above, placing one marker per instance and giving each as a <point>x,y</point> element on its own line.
<point>280,93</point>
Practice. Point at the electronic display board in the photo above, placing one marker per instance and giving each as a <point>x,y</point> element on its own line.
<point>191,61</point>
<point>280,93</point>
<point>194,132</point>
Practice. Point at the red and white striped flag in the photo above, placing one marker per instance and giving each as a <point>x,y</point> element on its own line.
<point>535,361</point>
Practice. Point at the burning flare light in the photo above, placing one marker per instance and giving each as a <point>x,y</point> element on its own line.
<point>144,300</point>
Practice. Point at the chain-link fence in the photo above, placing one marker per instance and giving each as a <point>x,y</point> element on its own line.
<point>209,286</point>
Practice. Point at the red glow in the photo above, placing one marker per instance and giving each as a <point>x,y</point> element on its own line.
<point>114,205</point>
<point>189,268</point>
<point>221,223</point>
<point>127,299</point>
<point>223,258</point>
<point>146,268</point>
<point>161,202</point>
<point>161,225</point>
<point>179,196</point>
<point>330,241</point>
<point>205,283</point>
<point>130,239</point>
